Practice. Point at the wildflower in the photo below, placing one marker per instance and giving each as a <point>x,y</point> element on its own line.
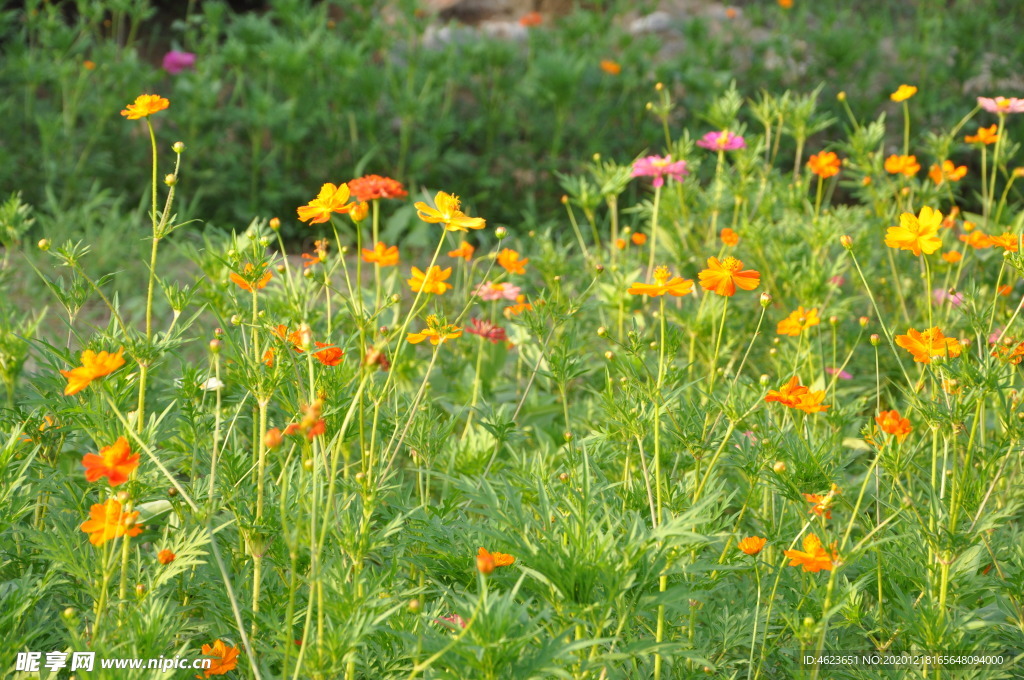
<point>487,562</point>
<point>359,211</point>
<point>454,619</point>
<point>437,331</point>
<point>721,141</point>
<point>941,295</point>
<point>1004,290</point>
<point>273,438</point>
<point>1001,104</point>
<point>813,558</point>
<point>976,238</point>
<point>620,243</point>
<point>509,259</point>
<point>722,278</point>
<point>247,279</point>
<point>1009,354</point>
<point>906,165</point>
<point>785,4</point>
<point>659,167</point>
<point>843,375</point>
<point>224,658</point>
<point>115,462</point>
<point>903,93</point>
<point>331,199</point>
<point>638,238</point>
<point>795,395</point>
<point>822,502</point>
<point>531,19</point>
<point>984,136</point>
<point>752,544</point>
<point>824,164</point>
<point>917,234</point>
<point>145,105</point>
<point>664,283</point>
<point>952,256</point>
<point>729,237</point>
<point>465,251</point>
<point>447,213</point>
<point>175,61</point>
<point>89,65</point>
<point>382,255</point>
<point>106,521</point>
<point>165,556</point>
<point>798,321</point>
<point>947,172</point>
<point>929,344</point>
<point>892,423</point>
<point>489,292</point>
<point>329,356</point>
<point>518,308</point>
<point>311,424</point>
<point>1007,241</point>
<point>93,366</point>
<point>374,187</point>
<point>487,330</point>
<point>431,282</point>
<point>612,68</point>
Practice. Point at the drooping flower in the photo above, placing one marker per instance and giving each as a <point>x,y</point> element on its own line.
<point>797,396</point>
<point>448,214</point>
<point>947,172</point>
<point>984,135</point>
<point>487,330</point>
<point>729,237</point>
<point>225,658</point>
<point>382,255</point>
<point>373,187</point>
<point>659,167</point>
<point>115,462</point>
<point>891,423</point>
<point>918,234</point>
<point>437,331</point>
<point>465,251</point>
<point>518,308</point>
<point>94,365</point>
<point>107,521</point>
<point>723,278</point>
<point>489,292</point>
<point>799,320</point>
<point>145,105</point>
<point>664,283</point>
<point>752,545</point>
<point>824,164</point>
<point>1001,104</point>
<point>329,355</point>
<point>813,558</point>
<point>612,68</point>
<point>903,93</point>
<point>331,199</point>
<point>433,281</point>
<point>176,61</point>
<point>929,344</point>
<point>905,165</point>
<point>509,260</point>
<point>247,279</point>
<point>165,556</point>
<point>721,141</point>
<point>487,562</point>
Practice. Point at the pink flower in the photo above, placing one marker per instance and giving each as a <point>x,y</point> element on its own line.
<point>453,620</point>
<point>993,338</point>
<point>487,330</point>
<point>175,62</point>
<point>721,141</point>
<point>1001,104</point>
<point>843,375</point>
<point>658,167</point>
<point>940,295</point>
<point>837,280</point>
<point>496,291</point>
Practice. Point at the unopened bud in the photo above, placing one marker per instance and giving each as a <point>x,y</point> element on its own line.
<point>763,380</point>
<point>171,179</point>
<point>863,321</point>
<point>69,613</point>
<point>275,223</point>
<point>846,241</point>
<point>178,147</point>
<point>599,269</point>
<point>609,355</point>
<point>567,436</point>
<point>414,606</point>
<point>140,590</point>
<point>273,438</point>
<point>236,319</point>
<point>602,332</point>
<point>875,340</point>
<point>833,320</point>
<point>44,244</point>
<point>779,467</point>
<point>841,96</point>
<point>500,233</point>
<point>766,299</point>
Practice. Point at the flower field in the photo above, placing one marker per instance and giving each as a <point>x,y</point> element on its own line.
<point>744,403</point>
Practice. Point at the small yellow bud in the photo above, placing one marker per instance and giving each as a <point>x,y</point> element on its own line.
<point>846,241</point>
<point>44,244</point>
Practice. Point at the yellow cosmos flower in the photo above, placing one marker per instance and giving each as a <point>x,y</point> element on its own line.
<point>145,105</point>
<point>447,213</point>
<point>917,234</point>
<point>93,366</point>
<point>903,93</point>
<point>433,281</point>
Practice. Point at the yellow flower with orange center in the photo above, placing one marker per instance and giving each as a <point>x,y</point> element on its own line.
<point>433,281</point>
<point>382,255</point>
<point>94,365</point>
<point>447,213</point>
<point>724,277</point>
<point>903,93</point>
<point>947,172</point>
<point>145,105</point>
<point>331,199</point>
<point>664,283</point>
<point>509,260</point>
<point>905,165</point>
<point>918,234</point>
<point>799,320</point>
<point>107,521</point>
<point>929,344</point>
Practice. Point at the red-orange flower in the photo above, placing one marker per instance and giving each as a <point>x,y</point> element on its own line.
<point>798,321</point>
<point>246,280</point>
<point>331,199</point>
<point>929,344</point>
<point>465,251</point>
<point>487,562</point>
<point>224,658</point>
<point>115,462</point>
<point>531,19</point>
<point>723,278</point>
<point>382,254</point>
<point>1012,354</point>
<point>729,237</point>
<point>372,187</point>
<point>825,164</point>
<point>330,356</point>
<point>664,283</point>
<point>905,165</point>
<point>93,366</point>
<point>795,395</point>
<point>165,556</point>
<point>752,544</point>
<point>612,68</point>
<point>106,521</point>
<point>892,423</point>
<point>509,260</point>
<point>947,172</point>
<point>638,238</point>
<point>145,105</point>
<point>813,558</point>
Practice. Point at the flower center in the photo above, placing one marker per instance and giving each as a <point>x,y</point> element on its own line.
<point>732,264</point>
<point>661,275</point>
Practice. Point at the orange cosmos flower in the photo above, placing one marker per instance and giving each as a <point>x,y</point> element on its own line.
<point>892,423</point>
<point>106,521</point>
<point>785,4</point>
<point>115,462</point>
<point>518,308</point>
<point>903,93</point>
<point>331,199</point>
<point>795,395</point>
<point>509,259</point>
<point>247,280</point>
<point>917,234</point>
<point>952,256</point>
<point>431,282</point>
<point>1007,241</point>
<point>373,187</point>
<point>927,345</point>
<point>224,658</point>
<point>1004,290</point>
<point>638,238</point>
<point>664,283</point>
<point>729,237</point>
<point>465,251</point>
<point>1011,355</point>
<point>947,172</point>
<point>825,164</point>
<point>93,366</point>
<point>813,558</point>
<point>165,556</point>
<point>984,136</point>
<point>382,254</point>
<point>487,562</point>
<point>799,320</point>
<point>531,19</point>
<point>331,356</point>
<point>976,238</point>
<point>906,165</point>
<point>447,213</point>
<point>437,331</point>
<point>752,544</point>
<point>610,67</point>
<point>822,504</point>
<point>145,105</point>
<point>723,278</point>
<point>620,243</point>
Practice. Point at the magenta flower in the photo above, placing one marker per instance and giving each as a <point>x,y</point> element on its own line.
<point>487,330</point>
<point>659,167</point>
<point>1001,104</point>
<point>941,295</point>
<point>175,62</point>
<point>721,141</point>
<point>843,375</point>
<point>496,291</point>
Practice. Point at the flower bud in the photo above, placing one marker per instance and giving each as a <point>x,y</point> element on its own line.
<point>833,320</point>
<point>140,590</point>
<point>281,269</point>
<point>599,269</point>
<point>766,299</point>
<point>307,465</point>
<point>172,492</point>
<point>359,211</point>
<point>44,244</point>
<point>564,477</point>
<point>69,613</point>
<point>841,96</point>
<point>602,332</point>
<point>763,380</point>
<point>658,87</point>
<point>236,319</point>
<point>273,438</point>
<point>360,477</point>
<point>609,355</point>
<point>308,273</point>
<point>779,467</point>
<point>863,321</point>
<point>414,606</point>
<point>500,233</point>
<point>178,147</point>
<point>567,436</point>
<point>485,563</point>
<point>875,340</point>
<point>275,223</point>
<point>171,179</point>
<point>122,496</point>
<point>846,241</point>
<point>395,299</point>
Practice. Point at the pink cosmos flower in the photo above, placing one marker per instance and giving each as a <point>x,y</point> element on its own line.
<point>453,620</point>
<point>658,167</point>
<point>721,141</point>
<point>496,291</point>
<point>487,330</point>
<point>941,295</point>
<point>843,375</point>
<point>993,338</point>
<point>1001,104</point>
<point>837,280</point>
<point>175,62</point>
